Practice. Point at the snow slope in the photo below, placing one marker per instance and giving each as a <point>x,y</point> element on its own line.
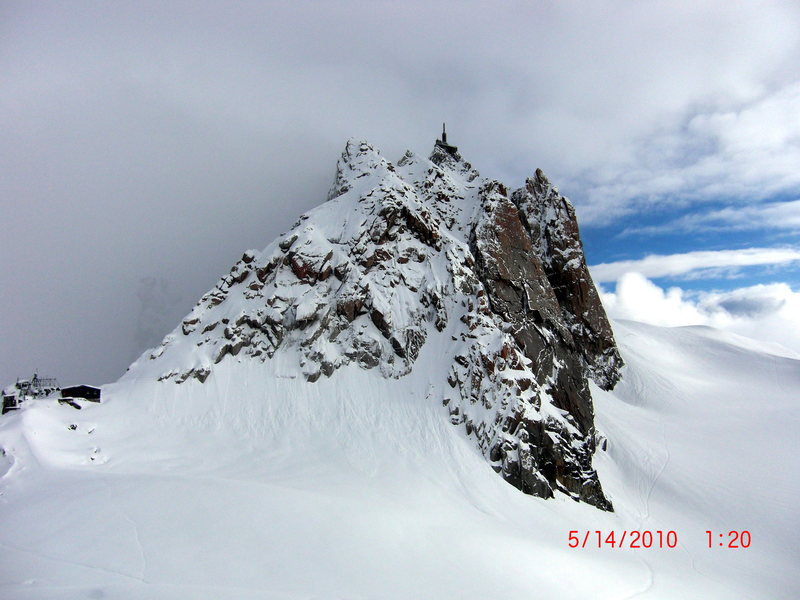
<point>258,486</point>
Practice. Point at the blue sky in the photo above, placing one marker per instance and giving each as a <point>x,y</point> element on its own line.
<point>645,234</point>
<point>147,144</point>
<point>725,262</point>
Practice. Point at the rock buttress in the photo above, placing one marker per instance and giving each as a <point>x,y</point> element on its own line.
<point>550,219</point>
<point>545,438</point>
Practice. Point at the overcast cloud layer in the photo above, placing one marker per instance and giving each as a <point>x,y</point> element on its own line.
<point>146,146</point>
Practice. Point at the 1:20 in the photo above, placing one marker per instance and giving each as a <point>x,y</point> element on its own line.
<point>735,539</point>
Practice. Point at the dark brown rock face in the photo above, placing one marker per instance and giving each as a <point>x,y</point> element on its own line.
<point>553,227</point>
<point>522,299</point>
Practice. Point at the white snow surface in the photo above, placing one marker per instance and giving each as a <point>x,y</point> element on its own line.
<point>260,485</point>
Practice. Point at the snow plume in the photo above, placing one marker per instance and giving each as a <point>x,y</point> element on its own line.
<point>158,303</point>
<point>764,312</point>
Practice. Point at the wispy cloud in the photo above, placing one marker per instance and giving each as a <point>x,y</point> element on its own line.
<point>781,216</point>
<point>677,265</point>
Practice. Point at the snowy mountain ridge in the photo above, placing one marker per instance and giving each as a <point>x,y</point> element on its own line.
<point>427,252</point>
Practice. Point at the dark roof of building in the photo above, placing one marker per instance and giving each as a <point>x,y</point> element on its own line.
<point>81,391</point>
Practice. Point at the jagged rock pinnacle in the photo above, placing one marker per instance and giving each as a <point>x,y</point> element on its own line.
<point>426,259</point>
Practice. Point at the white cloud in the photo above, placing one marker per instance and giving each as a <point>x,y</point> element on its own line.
<point>694,263</point>
<point>742,153</point>
<point>769,215</point>
<point>639,299</point>
<point>769,313</point>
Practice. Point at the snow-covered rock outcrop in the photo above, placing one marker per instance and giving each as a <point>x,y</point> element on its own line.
<point>427,254</point>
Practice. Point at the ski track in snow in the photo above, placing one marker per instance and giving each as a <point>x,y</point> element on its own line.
<point>648,585</point>
<point>646,517</point>
<point>137,539</point>
<point>61,559</point>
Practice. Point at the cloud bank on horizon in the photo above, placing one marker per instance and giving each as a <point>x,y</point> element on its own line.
<point>146,145</point>
<point>762,312</point>
<point>768,312</point>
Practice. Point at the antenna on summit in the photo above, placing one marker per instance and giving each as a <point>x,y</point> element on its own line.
<point>442,143</point>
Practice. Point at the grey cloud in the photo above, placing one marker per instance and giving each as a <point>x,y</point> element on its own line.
<point>751,307</point>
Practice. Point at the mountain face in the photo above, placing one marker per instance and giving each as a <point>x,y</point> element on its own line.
<point>426,253</point>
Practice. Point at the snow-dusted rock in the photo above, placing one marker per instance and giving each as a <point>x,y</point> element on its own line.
<point>550,218</point>
<point>427,257</point>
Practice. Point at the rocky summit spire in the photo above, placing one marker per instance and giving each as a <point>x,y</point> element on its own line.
<point>469,294</point>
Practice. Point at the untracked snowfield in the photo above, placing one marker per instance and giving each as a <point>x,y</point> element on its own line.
<point>357,487</point>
